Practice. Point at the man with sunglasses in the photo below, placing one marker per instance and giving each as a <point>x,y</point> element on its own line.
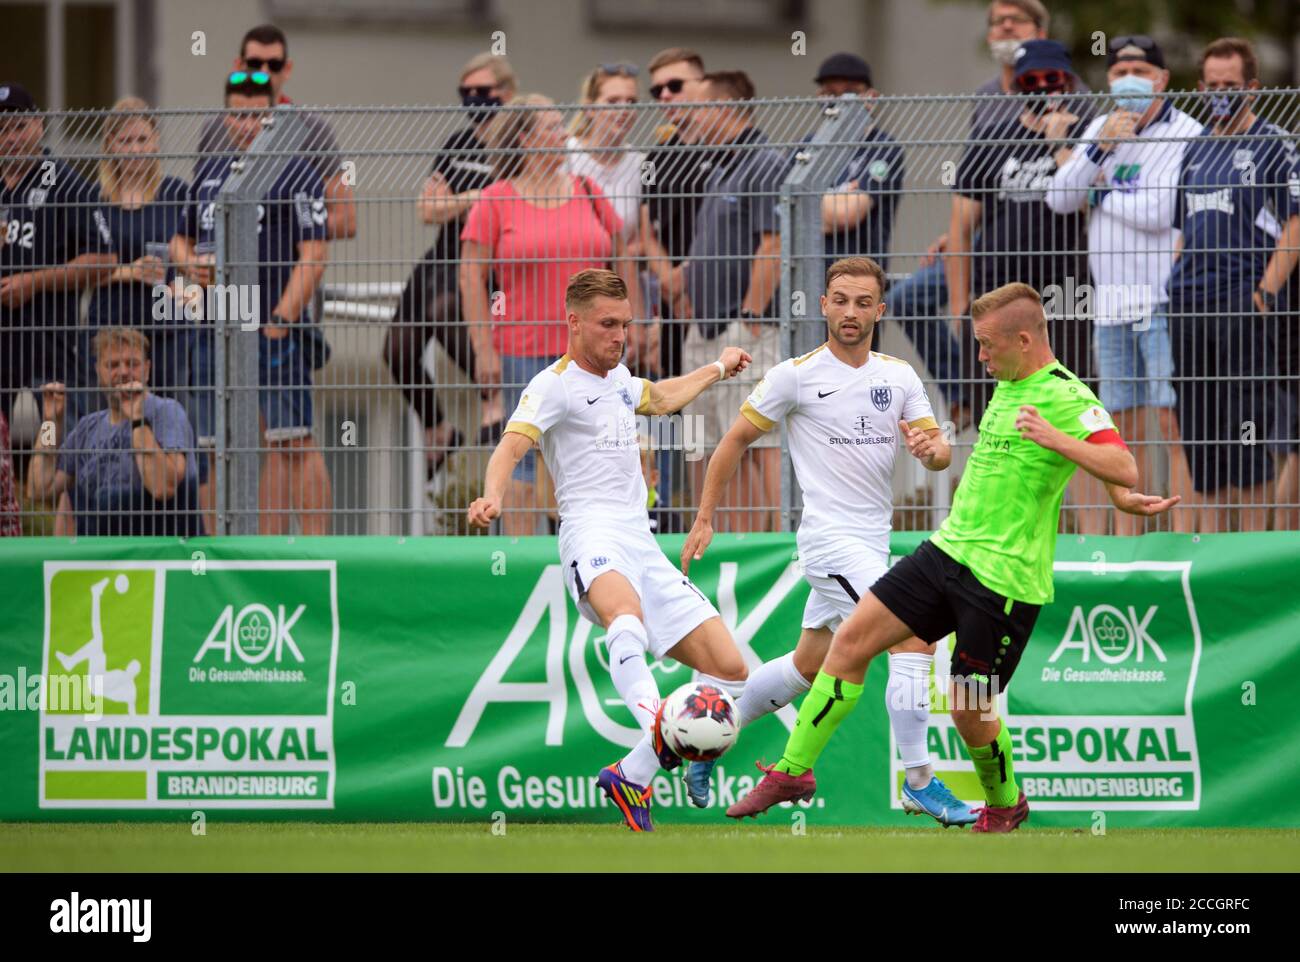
<point>430,305</point>
<point>265,49</point>
<point>291,254</point>
<point>1000,191</point>
<point>1125,173</point>
<point>1239,213</point>
<point>672,197</point>
<point>731,275</point>
<point>669,202</point>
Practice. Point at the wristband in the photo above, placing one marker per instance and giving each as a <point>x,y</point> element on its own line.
<point>722,370</point>
<point>139,423</point>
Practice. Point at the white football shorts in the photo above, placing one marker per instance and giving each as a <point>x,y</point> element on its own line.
<point>672,607</point>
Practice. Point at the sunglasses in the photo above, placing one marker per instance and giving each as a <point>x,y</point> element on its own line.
<point>619,69</point>
<point>275,64</point>
<point>481,91</point>
<point>243,76</point>
<point>1141,41</point>
<point>1042,80</point>
<point>672,86</point>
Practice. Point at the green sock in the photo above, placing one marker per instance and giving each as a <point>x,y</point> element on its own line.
<point>830,700</point>
<point>993,765</point>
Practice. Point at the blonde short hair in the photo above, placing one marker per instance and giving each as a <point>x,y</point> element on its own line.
<point>586,286</point>
<point>1000,297</point>
<point>116,336</point>
<point>502,72</point>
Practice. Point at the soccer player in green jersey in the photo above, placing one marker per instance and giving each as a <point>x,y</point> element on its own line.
<point>987,571</point>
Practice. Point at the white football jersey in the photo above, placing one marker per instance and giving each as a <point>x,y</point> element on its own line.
<point>842,427</point>
<point>587,428</point>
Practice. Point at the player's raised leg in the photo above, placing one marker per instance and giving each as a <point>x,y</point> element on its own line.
<point>871,629</point>
<point>616,604</point>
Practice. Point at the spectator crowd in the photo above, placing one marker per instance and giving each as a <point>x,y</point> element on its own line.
<point>1180,218</point>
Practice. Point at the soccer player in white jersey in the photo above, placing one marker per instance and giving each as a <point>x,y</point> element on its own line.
<point>845,408</point>
<point>581,411</point>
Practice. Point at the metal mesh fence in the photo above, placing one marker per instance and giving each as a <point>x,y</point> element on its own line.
<point>344,306</point>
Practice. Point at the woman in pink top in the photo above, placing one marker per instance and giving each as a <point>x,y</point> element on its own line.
<point>530,232</point>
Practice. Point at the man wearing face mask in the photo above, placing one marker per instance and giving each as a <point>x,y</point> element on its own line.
<point>1239,213</point>
<point>1001,188</point>
<point>1011,23</point>
<point>1125,171</point>
<point>924,293</point>
<point>430,303</point>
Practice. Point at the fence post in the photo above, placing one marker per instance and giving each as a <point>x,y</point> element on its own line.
<point>238,345</point>
<point>785,220</point>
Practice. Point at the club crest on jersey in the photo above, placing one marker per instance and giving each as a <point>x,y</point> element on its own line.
<point>881,397</point>
<point>599,561</point>
<point>627,398</point>
<point>36,196</point>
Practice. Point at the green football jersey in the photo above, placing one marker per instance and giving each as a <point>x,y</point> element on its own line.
<point>1007,507</point>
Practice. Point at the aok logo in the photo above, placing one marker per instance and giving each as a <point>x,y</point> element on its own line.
<point>1112,635</point>
<point>254,634</point>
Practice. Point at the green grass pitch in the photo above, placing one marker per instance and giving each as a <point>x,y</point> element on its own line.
<point>402,847</point>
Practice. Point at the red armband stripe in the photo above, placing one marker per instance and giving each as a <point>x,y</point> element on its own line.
<point>1108,436</point>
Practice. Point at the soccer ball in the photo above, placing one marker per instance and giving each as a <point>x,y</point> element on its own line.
<point>699,722</point>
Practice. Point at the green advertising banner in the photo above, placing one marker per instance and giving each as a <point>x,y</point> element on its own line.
<point>453,679</point>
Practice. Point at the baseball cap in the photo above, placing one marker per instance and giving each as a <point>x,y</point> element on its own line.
<point>1134,47</point>
<point>1042,55</point>
<point>15,97</point>
<point>844,66</point>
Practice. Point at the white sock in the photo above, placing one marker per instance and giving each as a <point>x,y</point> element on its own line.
<point>641,764</point>
<point>772,685</point>
<point>907,700</point>
<point>628,644</point>
<point>733,688</point>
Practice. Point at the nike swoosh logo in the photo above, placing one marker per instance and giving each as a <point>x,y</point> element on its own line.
<point>827,394</point>
<point>593,400</point>
<point>774,704</point>
<point>625,658</point>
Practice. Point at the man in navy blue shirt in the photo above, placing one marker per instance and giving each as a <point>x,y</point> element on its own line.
<point>1240,175</point>
<point>52,244</point>
<point>292,247</point>
<point>1001,228</point>
<point>858,215</point>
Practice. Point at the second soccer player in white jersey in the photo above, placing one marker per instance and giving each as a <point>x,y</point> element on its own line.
<point>845,408</point>
<point>581,410</point>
